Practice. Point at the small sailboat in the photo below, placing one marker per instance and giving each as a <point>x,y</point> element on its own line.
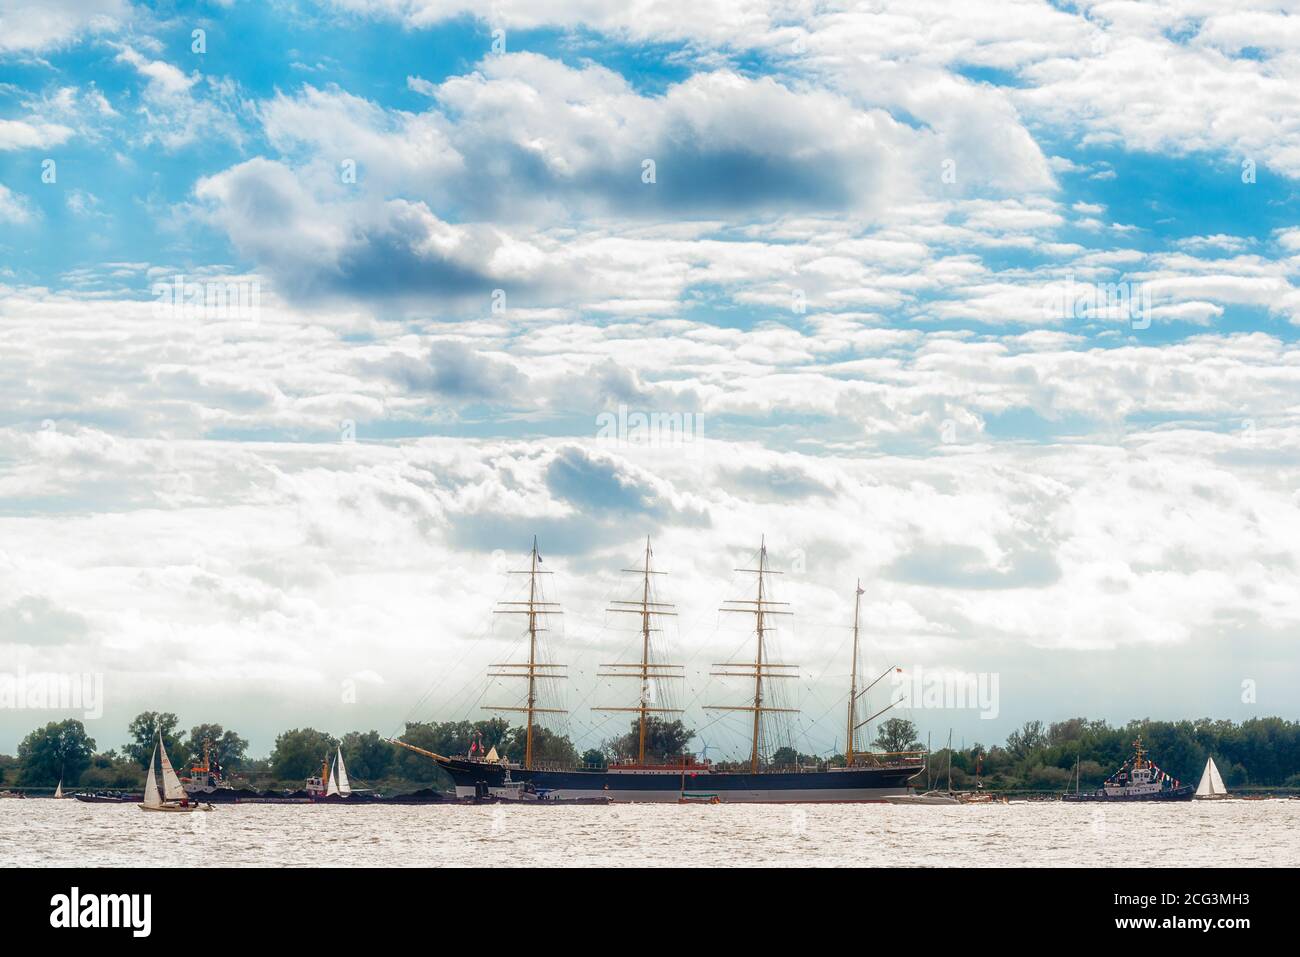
<point>58,791</point>
<point>173,796</point>
<point>934,796</point>
<point>338,783</point>
<point>1211,787</point>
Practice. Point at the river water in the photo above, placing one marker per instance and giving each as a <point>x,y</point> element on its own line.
<point>38,832</point>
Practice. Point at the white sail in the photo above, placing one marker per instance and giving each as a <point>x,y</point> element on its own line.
<point>334,780</point>
<point>58,791</point>
<point>1215,780</point>
<point>172,790</point>
<point>151,798</point>
<point>340,779</point>
<point>492,755</point>
<point>1211,783</point>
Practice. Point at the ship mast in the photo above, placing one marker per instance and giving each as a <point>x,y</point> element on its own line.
<point>761,668</point>
<point>853,677</point>
<point>532,669</point>
<point>645,670</point>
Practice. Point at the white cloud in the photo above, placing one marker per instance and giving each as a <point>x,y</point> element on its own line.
<point>24,135</point>
<point>561,137</point>
<point>39,25</point>
<point>14,208</point>
<point>713,21</point>
<point>179,108</point>
<point>1109,72</point>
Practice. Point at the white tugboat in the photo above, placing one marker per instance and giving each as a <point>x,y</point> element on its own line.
<point>207,779</point>
<point>1138,780</point>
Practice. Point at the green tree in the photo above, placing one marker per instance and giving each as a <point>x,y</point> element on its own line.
<point>1030,738</point>
<point>368,756</point>
<point>1050,778</point>
<point>228,748</point>
<point>1063,732</point>
<point>788,757</point>
<point>60,750</point>
<point>897,734</point>
<point>548,746</point>
<point>298,754</point>
<point>111,770</point>
<point>143,731</point>
<point>664,740</point>
<point>594,757</point>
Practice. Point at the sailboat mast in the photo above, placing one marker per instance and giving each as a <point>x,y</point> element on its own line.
<point>645,669</point>
<point>532,669</point>
<point>853,676</point>
<point>758,660</point>
<point>645,649</point>
<point>761,668</point>
<point>532,655</point>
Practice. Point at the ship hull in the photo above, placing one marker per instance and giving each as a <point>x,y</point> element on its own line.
<point>857,785</point>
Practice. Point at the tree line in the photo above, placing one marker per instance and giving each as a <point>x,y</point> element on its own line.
<point>1260,752</point>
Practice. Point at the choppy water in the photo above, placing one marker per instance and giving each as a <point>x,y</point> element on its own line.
<point>1227,833</point>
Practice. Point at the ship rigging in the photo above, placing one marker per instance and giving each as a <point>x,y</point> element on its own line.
<point>863,777</point>
<point>647,672</point>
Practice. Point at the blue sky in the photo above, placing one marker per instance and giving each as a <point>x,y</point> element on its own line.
<point>851,264</point>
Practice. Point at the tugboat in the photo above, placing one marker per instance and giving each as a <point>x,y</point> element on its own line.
<point>1138,780</point>
<point>208,778</point>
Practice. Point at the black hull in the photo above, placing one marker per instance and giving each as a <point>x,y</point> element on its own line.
<point>109,798</point>
<point>671,785</point>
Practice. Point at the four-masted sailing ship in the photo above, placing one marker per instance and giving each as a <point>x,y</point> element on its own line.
<point>863,777</point>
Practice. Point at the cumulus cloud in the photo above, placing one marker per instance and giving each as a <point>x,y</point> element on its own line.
<point>719,141</point>
<point>455,370</point>
<point>39,25</point>
<point>13,207</point>
<point>396,248</point>
<point>24,135</point>
<point>34,620</point>
<point>890,385</point>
